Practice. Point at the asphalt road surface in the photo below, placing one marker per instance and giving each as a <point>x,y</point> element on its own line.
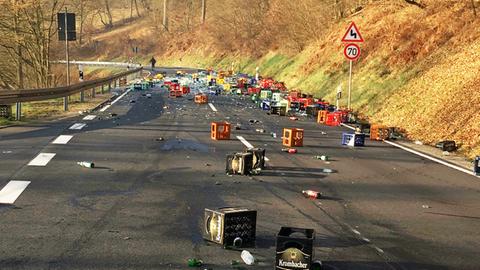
<point>142,206</point>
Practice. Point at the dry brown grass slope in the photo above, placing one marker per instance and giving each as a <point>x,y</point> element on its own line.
<point>419,68</point>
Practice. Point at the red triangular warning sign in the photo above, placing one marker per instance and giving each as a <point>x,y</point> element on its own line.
<point>352,34</point>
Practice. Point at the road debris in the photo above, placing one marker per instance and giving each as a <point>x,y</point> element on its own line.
<point>292,151</point>
<point>260,130</point>
<point>86,164</point>
<point>311,194</point>
<point>247,257</point>
<point>316,265</point>
<point>322,157</point>
<point>425,206</point>
<point>253,121</point>
<point>194,262</point>
<point>273,134</point>
<point>293,118</point>
<point>159,139</point>
<point>327,170</point>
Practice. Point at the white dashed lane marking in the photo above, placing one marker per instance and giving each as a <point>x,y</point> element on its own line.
<point>89,117</point>
<point>13,190</point>
<point>77,126</point>
<point>42,159</point>
<point>62,139</point>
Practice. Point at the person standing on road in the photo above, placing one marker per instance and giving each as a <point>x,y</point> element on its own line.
<point>153,62</point>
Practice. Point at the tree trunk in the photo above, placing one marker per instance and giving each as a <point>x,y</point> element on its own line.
<point>109,13</point>
<point>204,10</point>
<point>136,8</point>
<point>165,22</point>
<point>131,9</point>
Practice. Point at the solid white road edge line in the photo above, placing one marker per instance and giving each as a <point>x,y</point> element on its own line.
<point>12,190</point>
<point>248,145</point>
<point>431,158</point>
<point>105,108</point>
<point>212,107</point>
<point>347,126</point>
<point>458,168</point>
<point>41,159</point>
<point>62,139</point>
<point>115,101</point>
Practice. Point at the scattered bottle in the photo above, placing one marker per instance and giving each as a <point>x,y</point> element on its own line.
<point>247,257</point>
<point>311,194</point>
<point>194,262</point>
<point>86,164</point>
<point>237,242</point>
<point>322,157</point>
<point>317,265</point>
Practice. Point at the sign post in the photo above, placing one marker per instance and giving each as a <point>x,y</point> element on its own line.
<point>66,32</point>
<point>65,99</point>
<point>351,52</point>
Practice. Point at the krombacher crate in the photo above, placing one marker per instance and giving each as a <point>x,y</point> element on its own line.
<point>294,248</point>
<point>230,226</point>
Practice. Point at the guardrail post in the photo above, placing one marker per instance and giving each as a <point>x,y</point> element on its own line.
<point>93,92</point>
<point>82,96</point>
<point>65,103</point>
<point>103,88</point>
<point>18,116</point>
<point>109,86</point>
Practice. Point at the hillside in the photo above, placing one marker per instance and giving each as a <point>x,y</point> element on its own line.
<point>419,68</point>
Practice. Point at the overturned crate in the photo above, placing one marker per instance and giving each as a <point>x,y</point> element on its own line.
<point>230,226</point>
<point>292,137</point>
<point>201,98</point>
<point>322,116</point>
<point>353,139</point>
<point>220,131</point>
<point>379,132</point>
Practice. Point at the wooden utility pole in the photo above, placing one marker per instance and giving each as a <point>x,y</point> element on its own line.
<point>165,26</point>
<point>204,10</point>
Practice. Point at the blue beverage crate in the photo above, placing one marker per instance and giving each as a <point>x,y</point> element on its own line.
<point>359,139</point>
<point>266,105</point>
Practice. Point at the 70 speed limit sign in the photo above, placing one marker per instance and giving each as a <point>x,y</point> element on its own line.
<point>352,52</point>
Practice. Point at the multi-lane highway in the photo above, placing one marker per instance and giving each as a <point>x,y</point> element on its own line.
<point>142,206</point>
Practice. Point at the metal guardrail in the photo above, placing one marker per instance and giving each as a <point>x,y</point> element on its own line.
<point>99,63</point>
<point>25,95</point>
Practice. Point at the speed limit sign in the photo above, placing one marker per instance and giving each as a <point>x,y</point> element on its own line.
<point>352,52</point>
